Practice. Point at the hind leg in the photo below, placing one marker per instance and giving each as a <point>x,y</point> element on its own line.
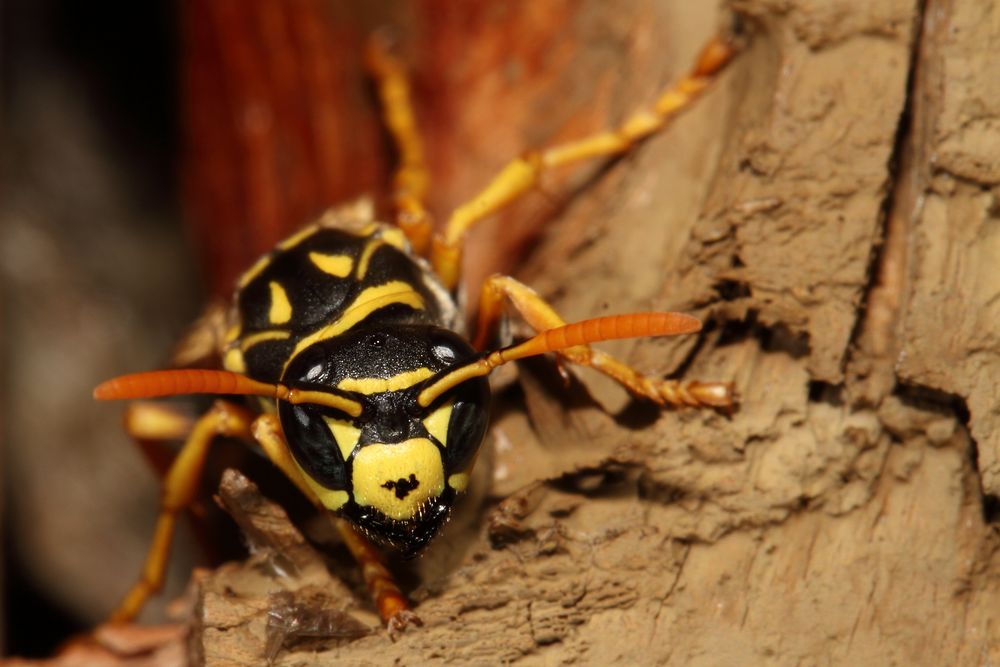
<point>411,180</point>
<point>524,173</point>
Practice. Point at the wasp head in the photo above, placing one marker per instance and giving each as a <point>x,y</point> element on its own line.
<point>394,468</point>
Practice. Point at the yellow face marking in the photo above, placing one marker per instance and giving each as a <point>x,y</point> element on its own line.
<point>339,266</point>
<point>436,422</point>
<point>281,307</point>
<point>253,271</point>
<point>380,385</point>
<point>233,361</point>
<point>262,336</point>
<point>332,499</point>
<point>459,481</point>
<point>370,300</point>
<point>345,433</point>
<point>366,256</point>
<point>398,479</point>
<point>298,237</point>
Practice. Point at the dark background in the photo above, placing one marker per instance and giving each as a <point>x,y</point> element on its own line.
<point>94,274</point>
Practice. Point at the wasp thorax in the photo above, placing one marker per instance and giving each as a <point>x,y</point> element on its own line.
<point>395,469</point>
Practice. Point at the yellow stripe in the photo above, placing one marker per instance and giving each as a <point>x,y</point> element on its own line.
<point>274,334</point>
<point>339,266</point>
<point>382,385</point>
<point>394,237</point>
<point>370,300</point>
<point>298,237</point>
<point>281,308</point>
<point>366,256</point>
<point>253,271</point>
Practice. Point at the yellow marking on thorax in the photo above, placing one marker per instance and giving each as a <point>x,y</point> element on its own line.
<point>281,307</point>
<point>369,386</point>
<point>368,229</point>
<point>437,422</point>
<point>366,256</point>
<point>345,433</point>
<point>233,360</point>
<point>298,237</point>
<point>370,300</point>
<point>339,266</point>
<point>253,271</point>
<point>379,470</point>
<point>394,237</point>
<point>260,337</point>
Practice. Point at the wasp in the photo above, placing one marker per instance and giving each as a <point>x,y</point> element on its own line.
<point>347,343</point>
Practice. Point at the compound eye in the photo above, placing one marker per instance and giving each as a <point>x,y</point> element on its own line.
<point>463,418</point>
<point>315,444</point>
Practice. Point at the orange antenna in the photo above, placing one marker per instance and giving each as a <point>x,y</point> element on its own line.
<point>634,325</point>
<point>176,382</point>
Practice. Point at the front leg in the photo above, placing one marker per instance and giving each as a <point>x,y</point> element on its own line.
<point>392,605</point>
<point>180,485</point>
<point>540,316</point>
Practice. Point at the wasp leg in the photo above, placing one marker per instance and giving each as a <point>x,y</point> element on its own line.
<point>523,173</point>
<point>411,180</point>
<point>389,599</point>
<point>540,316</point>
<point>152,424</point>
<point>179,486</point>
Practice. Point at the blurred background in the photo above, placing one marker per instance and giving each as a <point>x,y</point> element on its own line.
<point>96,278</point>
<point>150,151</point>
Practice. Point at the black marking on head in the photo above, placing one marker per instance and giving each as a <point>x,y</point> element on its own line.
<point>402,486</point>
